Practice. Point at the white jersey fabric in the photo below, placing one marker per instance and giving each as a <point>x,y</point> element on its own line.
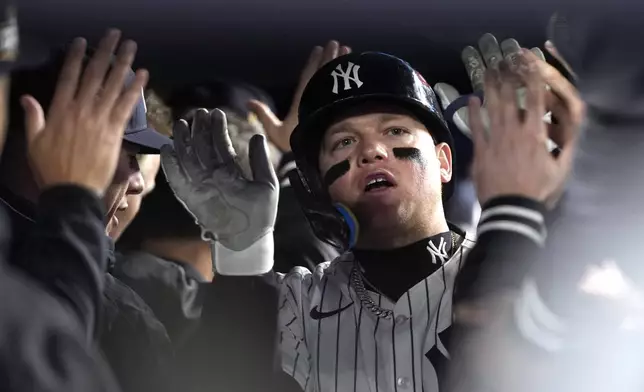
<point>330,342</point>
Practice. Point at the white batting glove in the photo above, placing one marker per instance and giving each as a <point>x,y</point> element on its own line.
<point>235,213</point>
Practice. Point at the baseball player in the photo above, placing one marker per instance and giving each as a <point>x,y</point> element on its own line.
<point>374,159</point>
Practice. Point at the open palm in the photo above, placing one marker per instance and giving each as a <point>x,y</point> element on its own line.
<point>204,174</point>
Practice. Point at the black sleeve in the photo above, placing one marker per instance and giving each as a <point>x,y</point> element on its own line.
<point>43,346</point>
<point>238,338</point>
<point>511,235</point>
<point>510,239</point>
<point>67,248</point>
<point>513,254</point>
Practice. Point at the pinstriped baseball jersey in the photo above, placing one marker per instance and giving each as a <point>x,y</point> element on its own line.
<point>329,341</point>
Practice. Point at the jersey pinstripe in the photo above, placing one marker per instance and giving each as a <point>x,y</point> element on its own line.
<point>346,347</point>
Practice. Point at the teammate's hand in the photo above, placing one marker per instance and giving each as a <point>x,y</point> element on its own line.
<point>205,176</point>
<point>489,55</point>
<point>80,140</point>
<point>279,132</point>
<point>568,109</point>
<point>512,159</point>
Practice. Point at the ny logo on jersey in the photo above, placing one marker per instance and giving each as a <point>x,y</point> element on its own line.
<point>438,253</point>
<point>348,76</point>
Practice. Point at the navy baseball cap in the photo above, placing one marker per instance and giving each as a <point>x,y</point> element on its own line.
<point>40,81</point>
<point>137,130</point>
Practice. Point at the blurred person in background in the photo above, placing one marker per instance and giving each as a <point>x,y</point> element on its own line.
<point>162,256</point>
<point>232,97</point>
<point>20,186</point>
<point>510,338</point>
<point>132,339</point>
<point>159,113</point>
<point>54,284</point>
<point>576,321</point>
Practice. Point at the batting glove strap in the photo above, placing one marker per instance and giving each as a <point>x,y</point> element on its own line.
<point>255,260</point>
<point>514,214</point>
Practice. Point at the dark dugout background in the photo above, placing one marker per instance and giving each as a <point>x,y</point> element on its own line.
<point>267,42</point>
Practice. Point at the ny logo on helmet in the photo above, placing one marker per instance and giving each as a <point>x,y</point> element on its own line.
<point>350,75</point>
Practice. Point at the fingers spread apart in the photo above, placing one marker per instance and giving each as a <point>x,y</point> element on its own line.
<point>535,90</point>
<point>225,152</point>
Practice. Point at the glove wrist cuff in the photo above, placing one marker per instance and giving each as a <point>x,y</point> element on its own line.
<point>255,260</point>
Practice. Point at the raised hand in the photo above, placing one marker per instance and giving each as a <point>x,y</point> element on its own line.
<point>511,159</point>
<point>205,176</point>
<point>79,141</point>
<point>488,55</point>
<point>278,131</point>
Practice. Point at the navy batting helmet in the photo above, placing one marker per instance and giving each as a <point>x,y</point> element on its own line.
<point>347,81</point>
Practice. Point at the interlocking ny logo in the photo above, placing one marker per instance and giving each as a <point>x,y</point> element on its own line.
<point>350,75</point>
<point>438,252</point>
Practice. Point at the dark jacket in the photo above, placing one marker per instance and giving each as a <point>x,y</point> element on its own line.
<point>67,230</point>
<point>222,333</point>
<point>170,288</point>
<point>133,340</point>
<point>51,296</point>
<point>72,239</point>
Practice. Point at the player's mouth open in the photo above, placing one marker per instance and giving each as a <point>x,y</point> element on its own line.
<point>378,182</point>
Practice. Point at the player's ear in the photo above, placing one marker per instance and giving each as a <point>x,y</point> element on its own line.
<point>444,155</point>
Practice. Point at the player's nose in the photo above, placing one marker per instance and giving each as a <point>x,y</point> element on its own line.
<point>372,152</point>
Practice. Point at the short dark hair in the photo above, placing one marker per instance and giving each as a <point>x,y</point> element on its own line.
<point>161,216</point>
